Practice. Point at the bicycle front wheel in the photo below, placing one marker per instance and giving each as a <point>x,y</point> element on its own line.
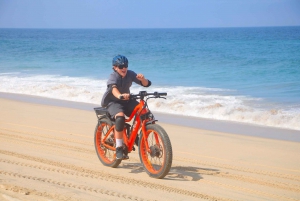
<point>158,161</point>
<point>105,155</point>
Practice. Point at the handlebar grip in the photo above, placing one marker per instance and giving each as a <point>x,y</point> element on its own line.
<point>162,94</point>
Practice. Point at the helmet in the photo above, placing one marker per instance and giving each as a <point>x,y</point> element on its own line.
<point>120,60</point>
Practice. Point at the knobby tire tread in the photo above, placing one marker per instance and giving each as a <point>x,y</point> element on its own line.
<point>115,163</point>
<point>167,147</point>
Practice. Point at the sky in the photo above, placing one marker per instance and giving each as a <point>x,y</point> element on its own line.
<point>148,14</point>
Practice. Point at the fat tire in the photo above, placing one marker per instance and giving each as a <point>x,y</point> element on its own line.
<point>110,162</point>
<point>167,151</point>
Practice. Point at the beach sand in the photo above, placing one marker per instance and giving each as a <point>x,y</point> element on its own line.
<point>47,153</point>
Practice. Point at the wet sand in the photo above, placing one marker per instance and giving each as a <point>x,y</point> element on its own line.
<point>201,123</point>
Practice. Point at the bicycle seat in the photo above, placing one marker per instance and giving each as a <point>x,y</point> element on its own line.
<point>100,111</point>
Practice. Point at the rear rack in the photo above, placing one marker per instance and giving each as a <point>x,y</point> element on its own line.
<point>101,112</point>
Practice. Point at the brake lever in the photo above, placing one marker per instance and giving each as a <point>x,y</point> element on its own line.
<point>158,96</point>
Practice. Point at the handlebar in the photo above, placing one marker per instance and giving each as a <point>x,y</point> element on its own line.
<point>142,94</point>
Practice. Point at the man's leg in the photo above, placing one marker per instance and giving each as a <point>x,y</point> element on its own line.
<point>116,111</point>
<point>119,127</point>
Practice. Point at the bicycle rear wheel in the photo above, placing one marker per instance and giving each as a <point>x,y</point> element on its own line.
<point>105,155</point>
<point>158,162</point>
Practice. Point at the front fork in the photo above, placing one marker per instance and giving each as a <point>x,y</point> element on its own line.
<point>146,134</point>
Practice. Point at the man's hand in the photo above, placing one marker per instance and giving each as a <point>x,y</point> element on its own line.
<point>140,77</point>
<point>125,96</point>
<point>143,80</point>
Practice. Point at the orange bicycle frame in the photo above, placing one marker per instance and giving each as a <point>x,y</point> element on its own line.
<point>139,110</point>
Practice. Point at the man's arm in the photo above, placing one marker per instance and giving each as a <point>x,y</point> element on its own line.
<point>145,82</point>
<point>118,95</point>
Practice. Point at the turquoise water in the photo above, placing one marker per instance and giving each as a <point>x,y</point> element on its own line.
<point>238,74</point>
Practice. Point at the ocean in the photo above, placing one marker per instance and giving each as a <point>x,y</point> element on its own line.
<point>249,75</point>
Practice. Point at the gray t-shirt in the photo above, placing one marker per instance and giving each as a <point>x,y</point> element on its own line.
<point>123,85</point>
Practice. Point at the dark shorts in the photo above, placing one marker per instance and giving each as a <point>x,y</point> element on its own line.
<point>126,107</point>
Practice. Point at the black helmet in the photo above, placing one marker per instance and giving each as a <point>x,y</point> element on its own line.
<point>120,60</point>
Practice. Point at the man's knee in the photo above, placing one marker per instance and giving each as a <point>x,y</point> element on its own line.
<point>120,122</point>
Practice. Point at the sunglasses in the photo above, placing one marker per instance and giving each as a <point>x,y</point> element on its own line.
<point>122,66</point>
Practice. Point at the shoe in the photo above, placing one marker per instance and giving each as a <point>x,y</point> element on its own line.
<point>119,152</point>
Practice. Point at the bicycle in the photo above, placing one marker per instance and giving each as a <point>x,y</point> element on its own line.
<point>154,145</point>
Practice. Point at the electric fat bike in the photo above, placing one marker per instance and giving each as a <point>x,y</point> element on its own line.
<point>154,145</point>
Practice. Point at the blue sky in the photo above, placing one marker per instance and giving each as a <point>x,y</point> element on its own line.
<point>148,14</point>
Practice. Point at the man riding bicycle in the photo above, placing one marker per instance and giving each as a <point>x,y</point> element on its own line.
<point>117,97</point>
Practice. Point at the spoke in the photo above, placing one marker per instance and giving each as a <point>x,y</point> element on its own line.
<point>150,139</point>
<point>155,140</point>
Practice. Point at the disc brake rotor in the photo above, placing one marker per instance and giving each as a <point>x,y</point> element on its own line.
<point>155,151</point>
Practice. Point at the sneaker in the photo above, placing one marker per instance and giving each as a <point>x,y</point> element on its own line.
<point>119,152</point>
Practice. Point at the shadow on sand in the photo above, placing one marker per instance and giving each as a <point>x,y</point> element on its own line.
<point>183,173</point>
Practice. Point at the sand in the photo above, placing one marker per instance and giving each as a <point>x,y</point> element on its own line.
<point>47,153</point>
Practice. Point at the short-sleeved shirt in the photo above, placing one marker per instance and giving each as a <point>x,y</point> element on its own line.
<point>123,85</point>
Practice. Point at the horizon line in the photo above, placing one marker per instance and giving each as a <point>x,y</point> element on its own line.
<point>156,27</point>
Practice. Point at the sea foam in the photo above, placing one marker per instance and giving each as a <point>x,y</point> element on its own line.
<point>212,103</point>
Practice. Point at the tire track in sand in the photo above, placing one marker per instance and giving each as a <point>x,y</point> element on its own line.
<point>50,148</point>
<point>235,168</point>
<point>264,182</point>
<point>45,129</point>
<point>27,191</point>
<point>49,137</point>
<point>218,165</point>
<point>72,185</point>
<point>30,139</point>
<point>68,172</point>
<point>251,191</point>
<point>114,178</point>
<point>279,185</point>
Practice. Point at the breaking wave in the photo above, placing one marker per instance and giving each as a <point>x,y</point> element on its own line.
<point>212,103</point>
